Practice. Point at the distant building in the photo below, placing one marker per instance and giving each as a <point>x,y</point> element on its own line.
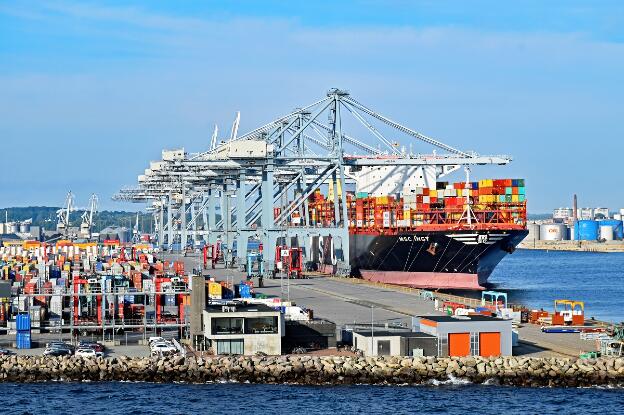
<point>586,213</point>
<point>601,213</point>
<point>562,214</point>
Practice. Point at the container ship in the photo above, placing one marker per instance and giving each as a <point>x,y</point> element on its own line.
<point>443,236</point>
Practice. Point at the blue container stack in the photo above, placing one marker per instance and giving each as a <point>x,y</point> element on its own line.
<point>23,331</point>
<point>244,291</point>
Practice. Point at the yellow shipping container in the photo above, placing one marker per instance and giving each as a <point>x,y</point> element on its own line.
<point>433,193</point>
<point>214,289</point>
<point>382,200</point>
<point>515,198</point>
<point>66,267</point>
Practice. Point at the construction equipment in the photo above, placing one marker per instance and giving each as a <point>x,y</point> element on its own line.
<point>86,227</point>
<point>573,313</point>
<point>63,215</point>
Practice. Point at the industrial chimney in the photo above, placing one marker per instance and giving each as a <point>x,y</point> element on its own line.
<point>574,209</point>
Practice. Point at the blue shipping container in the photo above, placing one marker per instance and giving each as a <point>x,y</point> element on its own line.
<point>23,322</point>
<point>244,291</point>
<point>23,340</point>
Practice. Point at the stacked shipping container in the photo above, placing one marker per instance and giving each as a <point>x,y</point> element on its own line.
<point>500,201</point>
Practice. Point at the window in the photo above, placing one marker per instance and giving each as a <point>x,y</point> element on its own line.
<point>474,344</point>
<point>261,325</point>
<point>230,346</point>
<point>443,350</point>
<point>227,325</point>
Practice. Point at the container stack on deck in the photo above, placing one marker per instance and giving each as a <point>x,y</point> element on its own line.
<point>500,201</point>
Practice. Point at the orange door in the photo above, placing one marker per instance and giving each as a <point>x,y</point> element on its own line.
<point>459,344</point>
<point>489,344</point>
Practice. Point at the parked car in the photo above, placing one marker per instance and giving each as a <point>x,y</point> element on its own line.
<point>59,345</point>
<point>163,349</point>
<point>86,352</point>
<point>6,352</point>
<point>153,340</point>
<point>53,351</point>
<point>99,348</point>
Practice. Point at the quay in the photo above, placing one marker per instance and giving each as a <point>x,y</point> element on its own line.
<point>355,302</point>
<point>577,246</point>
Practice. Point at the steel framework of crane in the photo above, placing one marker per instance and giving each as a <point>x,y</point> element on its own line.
<point>261,178</point>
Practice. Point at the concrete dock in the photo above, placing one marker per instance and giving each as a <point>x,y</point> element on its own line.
<point>347,301</point>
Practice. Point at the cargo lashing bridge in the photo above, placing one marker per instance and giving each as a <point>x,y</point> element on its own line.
<point>259,180</point>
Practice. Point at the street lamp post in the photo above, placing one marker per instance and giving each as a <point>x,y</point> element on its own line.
<point>373,331</point>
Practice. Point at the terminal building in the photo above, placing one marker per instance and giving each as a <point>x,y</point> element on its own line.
<point>473,335</point>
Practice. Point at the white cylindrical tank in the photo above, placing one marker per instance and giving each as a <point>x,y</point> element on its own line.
<point>617,216</point>
<point>14,227</point>
<point>534,232</point>
<point>621,211</point>
<point>24,227</point>
<point>606,232</point>
<point>553,232</point>
<point>571,233</point>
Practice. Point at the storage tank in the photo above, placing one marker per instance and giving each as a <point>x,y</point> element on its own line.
<point>553,232</point>
<point>571,233</point>
<point>534,232</point>
<point>586,230</point>
<point>13,227</point>
<point>606,232</point>
<point>24,227</point>
<point>618,228</point>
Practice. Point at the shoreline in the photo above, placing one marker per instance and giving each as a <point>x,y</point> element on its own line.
<point>573,246</point>
<point>312,370</point>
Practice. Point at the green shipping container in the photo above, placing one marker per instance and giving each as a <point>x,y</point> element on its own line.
<point>361,195</point>
<point>521,198</point>
<point>509,190</point>
<point>521,191</point>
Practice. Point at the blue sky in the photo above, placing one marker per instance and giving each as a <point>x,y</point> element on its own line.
<point>91,91</point>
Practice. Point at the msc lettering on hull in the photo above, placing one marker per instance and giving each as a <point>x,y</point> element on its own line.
<point>413,238</point>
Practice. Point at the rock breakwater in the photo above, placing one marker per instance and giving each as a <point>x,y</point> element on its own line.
<point>310,370</point>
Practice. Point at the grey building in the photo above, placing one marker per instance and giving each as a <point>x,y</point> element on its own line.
<point>395,343</point>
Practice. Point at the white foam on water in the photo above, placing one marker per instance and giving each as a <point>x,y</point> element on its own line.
<point>452,380</point>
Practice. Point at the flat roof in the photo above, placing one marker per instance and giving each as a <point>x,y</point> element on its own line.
<point>387,333</point>
<point>240,308</point>
<point>450,319</point>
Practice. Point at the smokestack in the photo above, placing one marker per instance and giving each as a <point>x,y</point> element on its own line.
<point>574,209</point>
